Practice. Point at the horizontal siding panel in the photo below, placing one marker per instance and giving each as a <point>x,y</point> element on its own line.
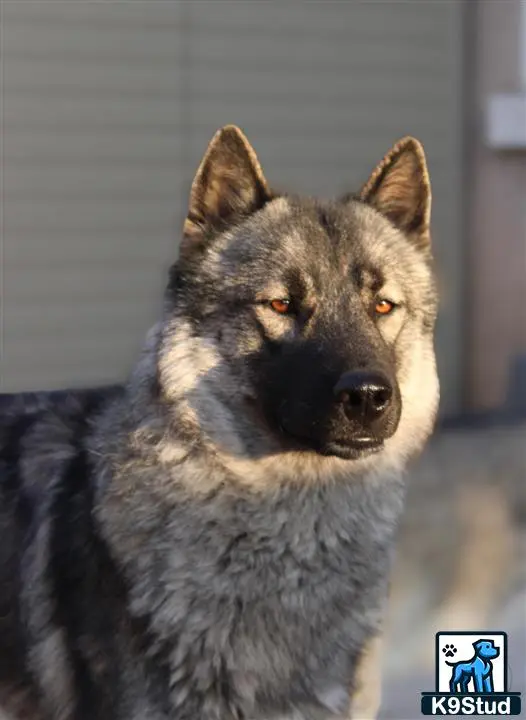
<point>135,48</point>
<point>317,19</point>
<point>93,253</point>
<point>263,89</point>
<point>59,286</point>
<point>99,16</point>
<point>26,325</point>
<point>67,148</point>
<point>91,78</point>
<point>89,178</point>
<point>368,55</point>
<point>57,193</point>
<point>32,112</point>
<point>107,217</point>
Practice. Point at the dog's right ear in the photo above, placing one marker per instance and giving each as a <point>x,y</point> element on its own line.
<point>229,185</point>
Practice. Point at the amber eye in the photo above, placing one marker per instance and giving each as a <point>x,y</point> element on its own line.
<point>384,307</point>
<point>281,306</point>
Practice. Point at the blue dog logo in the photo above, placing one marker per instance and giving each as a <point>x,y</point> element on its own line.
<point>478,686</point>
<point>479,668</point>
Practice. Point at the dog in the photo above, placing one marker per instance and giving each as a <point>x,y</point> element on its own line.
<point>479,669</point>
<point>212,539</point>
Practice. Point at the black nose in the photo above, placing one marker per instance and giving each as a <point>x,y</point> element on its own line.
<point>364,395</point>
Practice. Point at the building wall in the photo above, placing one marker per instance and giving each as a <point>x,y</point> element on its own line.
<point>497,184</point>
<point>107,108</point>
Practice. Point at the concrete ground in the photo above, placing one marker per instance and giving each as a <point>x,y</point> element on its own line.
<point>461,559</point>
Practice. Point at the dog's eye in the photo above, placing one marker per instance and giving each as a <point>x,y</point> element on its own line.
<point>281,306</point>
<point>384,307</point>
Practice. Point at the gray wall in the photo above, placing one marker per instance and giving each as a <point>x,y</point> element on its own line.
<point>107,108</point>
<point>497,336</point>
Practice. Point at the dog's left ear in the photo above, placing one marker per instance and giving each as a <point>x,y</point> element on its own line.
<point>229,185</point>
<point>400,189</point>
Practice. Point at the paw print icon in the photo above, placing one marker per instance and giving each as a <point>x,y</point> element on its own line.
<point>449,650</point>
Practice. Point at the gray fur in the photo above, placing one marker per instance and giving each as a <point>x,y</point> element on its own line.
<point>166,551</point>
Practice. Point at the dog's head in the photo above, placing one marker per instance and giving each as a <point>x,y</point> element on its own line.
<point>301,325</point>
<point>486,649</point>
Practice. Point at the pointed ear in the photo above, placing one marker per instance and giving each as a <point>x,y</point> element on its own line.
<point>399,188</point>
<point>229,185</point>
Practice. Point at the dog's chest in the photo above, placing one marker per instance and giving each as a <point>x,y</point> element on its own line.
<point>269,616</point>
<point>289,646</point>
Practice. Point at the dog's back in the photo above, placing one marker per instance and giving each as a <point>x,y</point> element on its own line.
<point>18,413</point>
<point>37,433</point>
